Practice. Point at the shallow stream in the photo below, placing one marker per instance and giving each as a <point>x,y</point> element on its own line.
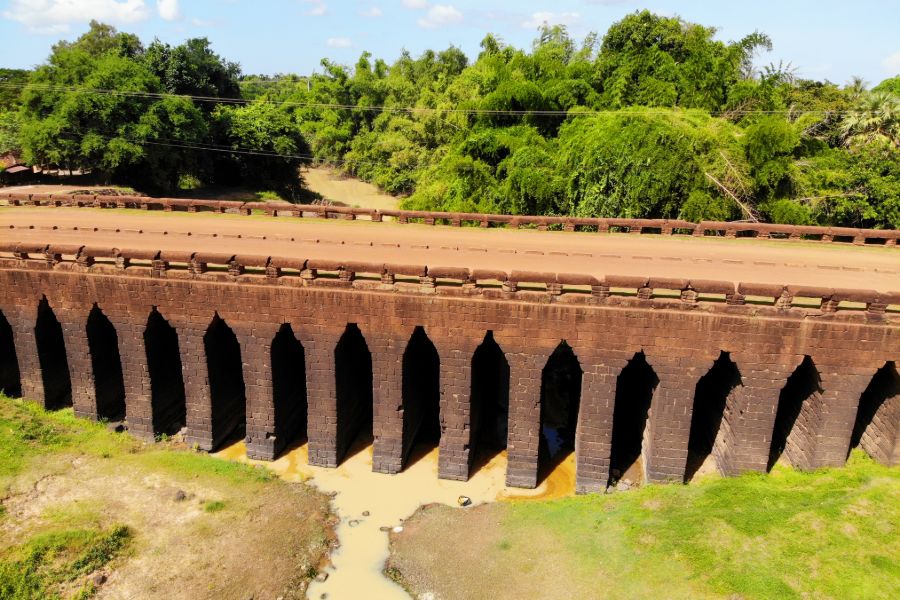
<point>368,502</point>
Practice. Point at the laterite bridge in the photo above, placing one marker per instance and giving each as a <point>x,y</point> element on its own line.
<point>534,341</point>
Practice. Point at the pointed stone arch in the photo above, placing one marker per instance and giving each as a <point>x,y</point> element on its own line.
<point>353,388</point>
<point>10,376</point>
<point>52,358</point>
<point>877,426</point>
<point>560,402</point>
<point>793,433</point>
<point>421,395</point>
<point>711,401</point>
<point>227,392</point>
<point>288,387</point>
<point>635,386</point>
<point>106,364</point>
<point>489,402</point>
<point>167,394</point>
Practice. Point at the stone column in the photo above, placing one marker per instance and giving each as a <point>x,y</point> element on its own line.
<point>256,355</point>
<point>78,358</point>
<point>321,393</point>
<point>195,370</point>
<point>669,422</point>
<point>455,454</point>
<point>22,321</point>
<point>524,417</point>
<point>593,441</point>
<point>748,424</point>
<point>135,373</point>
<point>392,442</point>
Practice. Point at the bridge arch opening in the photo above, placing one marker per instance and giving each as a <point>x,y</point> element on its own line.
<point>792,432</point>
<point>711,398</point>
<point>634,393</point>
<point>288,387</point>
<point>52,357</point>
<point>421,393</point>
<point>489,402</point>
<point>167,398</point>
<point>10,377</point>
<point>226,381</point>
<point>353,383</point>
<point>874,430</point>
<point>560,400</point>
<point>109,383</point>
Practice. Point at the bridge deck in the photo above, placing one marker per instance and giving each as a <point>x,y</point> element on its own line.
<point>757,261</point>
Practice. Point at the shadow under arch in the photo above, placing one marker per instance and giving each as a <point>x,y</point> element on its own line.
<point>560,402</point>
<point>421,394</point>
<point>167,396</point>
<point>803,384</point>
<point>10,376</point>
<point>228,400</point>
<point>710,399</point>
<point>353,387</point>
<point>489,403</point>
<point>288,388</point>
<point>109,382</point>
<point>634,394</point>
<point>52,357</point>
<point>873,428</point>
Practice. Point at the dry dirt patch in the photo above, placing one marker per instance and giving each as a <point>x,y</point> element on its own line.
<point>200,527</point>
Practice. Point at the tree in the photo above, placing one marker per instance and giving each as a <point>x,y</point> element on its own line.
<point>651,60</point>
<point>193,69</point>
<point>268,147</point>
<point>875,120</point>
<point>71,120</point>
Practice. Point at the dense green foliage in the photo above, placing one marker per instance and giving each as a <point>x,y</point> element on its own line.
<point>655,119</point>
<point>106,104</point>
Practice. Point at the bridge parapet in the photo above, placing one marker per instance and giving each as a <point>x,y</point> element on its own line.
<point>512,285</point>
<point>767,231</point>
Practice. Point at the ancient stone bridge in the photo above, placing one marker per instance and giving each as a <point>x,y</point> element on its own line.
<point>474,360</point>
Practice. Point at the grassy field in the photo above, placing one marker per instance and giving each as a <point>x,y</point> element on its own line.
<point>828,534</point>
<point>86,512</point>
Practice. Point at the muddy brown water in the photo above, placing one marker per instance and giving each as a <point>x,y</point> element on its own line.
<point>356,566</point>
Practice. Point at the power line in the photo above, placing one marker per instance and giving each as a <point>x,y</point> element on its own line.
<point>224,149</point>
<point>397,109</point>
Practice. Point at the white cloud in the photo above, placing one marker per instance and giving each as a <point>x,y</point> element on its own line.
<point>318,9</point>
<point>891,63</point>
<point>168,9</point>
<point>339,42</point>
<point>539,18</point>
<point>56,16</point>
<point>415,4</point>
<point>440,15</point>
<point>371,13</point>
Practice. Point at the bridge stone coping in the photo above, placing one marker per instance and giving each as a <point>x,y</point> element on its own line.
<point>782,297</point>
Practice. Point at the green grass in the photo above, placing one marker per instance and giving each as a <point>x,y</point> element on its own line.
<point>833,533</point>
<point>214,506</point>
<point>27,432</point>
<point>42,567</point>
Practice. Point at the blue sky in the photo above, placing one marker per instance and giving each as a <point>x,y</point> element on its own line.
<point>823,39</point>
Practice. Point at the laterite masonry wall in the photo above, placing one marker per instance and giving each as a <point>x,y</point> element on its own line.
<point>680,346</point>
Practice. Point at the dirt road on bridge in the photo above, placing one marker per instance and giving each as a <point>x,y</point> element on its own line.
<point>747,260</point>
